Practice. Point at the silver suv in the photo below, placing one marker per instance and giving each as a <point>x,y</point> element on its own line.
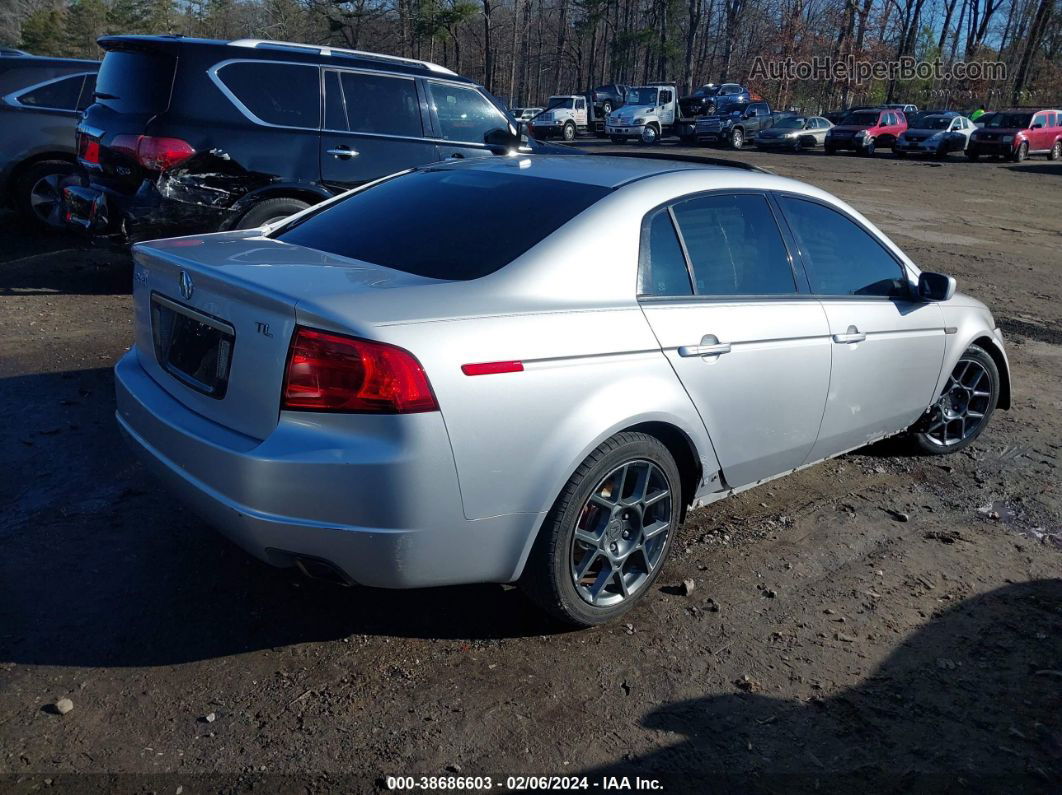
<point>528,368</point>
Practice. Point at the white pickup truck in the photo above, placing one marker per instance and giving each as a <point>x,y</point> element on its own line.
<point>565,116</point>
<point>649,113</point>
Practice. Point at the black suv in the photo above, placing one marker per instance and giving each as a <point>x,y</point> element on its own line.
<point>193,135</point>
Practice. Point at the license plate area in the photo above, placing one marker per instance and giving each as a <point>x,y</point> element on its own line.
<point>193,347</point>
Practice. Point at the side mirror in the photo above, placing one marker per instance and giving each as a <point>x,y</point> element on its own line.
<point>935,286</point>
<point>501,139</point>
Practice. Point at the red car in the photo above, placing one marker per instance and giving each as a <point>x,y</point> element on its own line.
<point>1017,133</point>
<point>863,131</point>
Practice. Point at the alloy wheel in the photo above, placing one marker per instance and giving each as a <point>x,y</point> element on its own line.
<point>46,198</point>
<point>963,404</point>
<point>621,533</point>
<point>1056,151</point>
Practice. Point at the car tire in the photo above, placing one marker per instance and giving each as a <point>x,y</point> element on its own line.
<point>270,211</point>
<point>971,392</point>
<point>867,149</point>
<point>606,108</point>
<point>569,131</point>
<point>1022,153</point>
<point>610,533</point>
<point>650,134</point>
<point>973,157</point>
<point>38,193</point>
<point>737,139</point>
<point>1056,151</point>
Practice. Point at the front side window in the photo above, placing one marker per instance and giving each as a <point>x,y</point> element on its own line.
<point>463,113</point>
<point>842,257</point>
<point>284,94</point>
<point>61,94</point>
<point>665,97</point>
<point>444,223</point>
<point>734,245</point>
<point>662,266</point>
<point>367,103</point>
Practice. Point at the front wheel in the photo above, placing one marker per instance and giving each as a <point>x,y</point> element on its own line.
<point>650,135</point>
<point>737,139</point>
<point>608,534</point>
<point>1056,151</point>
<point>1022,153</point>
<point>569,132</point>
<point>867,150</point>
<point>965,404</point>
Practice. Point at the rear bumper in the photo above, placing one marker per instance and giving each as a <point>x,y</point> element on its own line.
<point>377,497</point>
<point>144,215</point>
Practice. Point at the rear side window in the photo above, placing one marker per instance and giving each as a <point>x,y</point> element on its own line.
<point>734,245</point>
<point>464,114</point>
<point>444,223</point>
<point>61,94</point>
<point>135,82</point>
<point>662,269</point>
<point>369,103</point>
<point>843,258</point>
<point>285,94</point>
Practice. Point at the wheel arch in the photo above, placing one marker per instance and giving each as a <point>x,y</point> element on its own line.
<point>991,347</point>
<point>21,166</point>
<point>313,194</point>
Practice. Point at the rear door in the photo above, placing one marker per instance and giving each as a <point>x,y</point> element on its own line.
<point>461,116</point>
<point>887,345</point>
<point>374,125</point>
<point>720,291</point>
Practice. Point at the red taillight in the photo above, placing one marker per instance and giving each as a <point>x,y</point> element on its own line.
<point>331,372</point>
<point>88,150</point>
<point>154,154</point>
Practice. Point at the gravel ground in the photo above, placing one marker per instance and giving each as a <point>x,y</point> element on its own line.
<point>878,621</point>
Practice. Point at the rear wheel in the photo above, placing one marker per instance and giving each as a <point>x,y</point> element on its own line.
<point>608,534</point>
<point>270,211</point>
<point>38,193</point>
<point>606,108</point>
<point>965,404</point>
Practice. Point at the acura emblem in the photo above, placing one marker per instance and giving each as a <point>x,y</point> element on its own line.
<point>184,281</point>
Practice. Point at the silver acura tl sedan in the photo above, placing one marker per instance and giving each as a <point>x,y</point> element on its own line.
<point>527,369</point>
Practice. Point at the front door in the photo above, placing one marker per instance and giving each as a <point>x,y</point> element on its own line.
<point>751,351</point>
<point>374,126</point>
<point>462,117</point>
<point>887,345</point>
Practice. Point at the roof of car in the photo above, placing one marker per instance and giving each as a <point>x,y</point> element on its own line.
<point>282,50</point>
<point>603,170</point>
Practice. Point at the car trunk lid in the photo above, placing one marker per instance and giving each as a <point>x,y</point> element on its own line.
<point>215,316</point>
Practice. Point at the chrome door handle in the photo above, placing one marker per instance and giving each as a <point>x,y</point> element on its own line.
<point>710,346</point>
<point>343,152</point>
<point>852,335</point>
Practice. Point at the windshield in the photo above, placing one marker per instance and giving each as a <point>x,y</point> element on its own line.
<point>706,91</point>
<point>467,223</point>
<point>1010,120</point>
<point>790,124</point>
<point>641,96</point>
<point>868,118</point>
<point>561,102</point>
<point>935,123</point>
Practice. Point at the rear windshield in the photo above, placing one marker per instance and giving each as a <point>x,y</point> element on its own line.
<point>443,223</point>
<point>135,82</point>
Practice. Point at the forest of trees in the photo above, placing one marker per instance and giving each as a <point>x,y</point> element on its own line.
<point>525,50</point>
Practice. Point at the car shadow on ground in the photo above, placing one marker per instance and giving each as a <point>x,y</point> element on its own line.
<point>34,262</point>
<point>1054,169</point>
<point>102,567</point>
<point>972,701</point>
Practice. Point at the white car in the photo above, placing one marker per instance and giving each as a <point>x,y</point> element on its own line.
<point>936,135</point>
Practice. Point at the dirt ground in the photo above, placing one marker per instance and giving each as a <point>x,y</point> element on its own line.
<point>829,642</point>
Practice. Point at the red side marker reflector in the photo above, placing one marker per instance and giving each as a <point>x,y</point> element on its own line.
<point>492,368</point>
